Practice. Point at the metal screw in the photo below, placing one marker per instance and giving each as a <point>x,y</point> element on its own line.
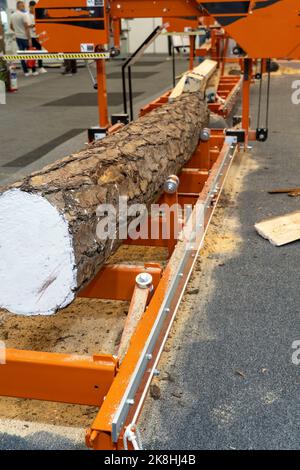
<point>156,373</point>
<point>130,401</point>
<point>144,280</point>
<point>149,357</point>
<point>171,184</point>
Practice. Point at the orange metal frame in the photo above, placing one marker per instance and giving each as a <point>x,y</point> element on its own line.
<point>207,158</point>
<point>100,380</point>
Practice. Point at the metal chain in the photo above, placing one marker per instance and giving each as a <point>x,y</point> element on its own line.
<point>260,95</point>
<point>268,92</point>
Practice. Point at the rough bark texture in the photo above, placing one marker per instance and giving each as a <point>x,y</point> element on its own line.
<point>134,162</point>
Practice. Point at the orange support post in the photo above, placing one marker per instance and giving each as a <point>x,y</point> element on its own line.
<point>117,32</point>
<point>246,97</point>
<point>102,94</point>
<point>192,51</point>
<point>171,199</point>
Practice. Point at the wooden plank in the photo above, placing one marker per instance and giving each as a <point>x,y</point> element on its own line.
<point>293,192</point>
<point>195,80</point>
<point>280,230</point>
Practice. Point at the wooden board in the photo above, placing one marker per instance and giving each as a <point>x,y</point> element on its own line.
<point>195,80</point>
<point>280,230</point>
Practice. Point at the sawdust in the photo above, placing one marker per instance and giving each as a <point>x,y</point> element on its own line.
<point>87,326</point>
<point>286,71</point>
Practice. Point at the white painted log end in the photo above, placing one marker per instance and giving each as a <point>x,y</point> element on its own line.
<point>37,263</point>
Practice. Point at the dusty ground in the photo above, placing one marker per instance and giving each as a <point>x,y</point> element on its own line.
<point>221,243</point>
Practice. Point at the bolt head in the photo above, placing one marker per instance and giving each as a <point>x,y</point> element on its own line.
<point>171,184</point>
<point>144,280</point>
<point>205,134</point>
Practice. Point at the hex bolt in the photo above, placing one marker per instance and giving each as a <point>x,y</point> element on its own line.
<point>156,373</point>
<point>144,280</point>
<point>149,357</point>
<point>205,134</point>
<point>130,401</point>
<point>171,184</point>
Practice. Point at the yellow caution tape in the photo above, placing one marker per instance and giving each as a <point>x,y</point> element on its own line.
<point>84,56</point>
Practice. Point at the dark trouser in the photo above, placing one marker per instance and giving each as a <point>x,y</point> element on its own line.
<point>36,44</point>
<point>23,46</point>
<point>70,66</point>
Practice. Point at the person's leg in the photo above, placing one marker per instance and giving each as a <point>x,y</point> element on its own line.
<point>68,66</point>
<point>73,65</point>
<point>37,45</point>
<point>23,46</point>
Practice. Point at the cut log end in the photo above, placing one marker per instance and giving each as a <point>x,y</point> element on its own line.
<point>37,263</point>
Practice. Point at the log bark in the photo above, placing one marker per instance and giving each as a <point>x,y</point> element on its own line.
<point>48,244</point>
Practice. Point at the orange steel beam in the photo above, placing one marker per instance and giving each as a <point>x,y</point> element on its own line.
<point>102,94</point>
<point>152,9</point>
<point>117,281</point>
<point>192,180</point>
<point>66,378</point>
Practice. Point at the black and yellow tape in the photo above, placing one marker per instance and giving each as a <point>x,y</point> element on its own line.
<point>77,56</point>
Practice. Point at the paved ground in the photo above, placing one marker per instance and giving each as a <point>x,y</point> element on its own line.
<point>48,117</point>
<point>231,382</point>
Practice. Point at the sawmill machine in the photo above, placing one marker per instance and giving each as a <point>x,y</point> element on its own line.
<point>262,30</point>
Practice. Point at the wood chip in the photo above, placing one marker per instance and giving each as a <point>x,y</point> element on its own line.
<point>240,374</point>
<point>280,230</point>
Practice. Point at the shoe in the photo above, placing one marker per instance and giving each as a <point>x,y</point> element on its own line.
<point>67,74</point>
<point>35,74</point>
<point>27,74</point>
<point>42,70</point>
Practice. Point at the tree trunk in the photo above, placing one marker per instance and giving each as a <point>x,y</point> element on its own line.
<point>49,249</point>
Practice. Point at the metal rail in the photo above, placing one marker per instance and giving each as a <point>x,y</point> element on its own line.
<point>191,247</point>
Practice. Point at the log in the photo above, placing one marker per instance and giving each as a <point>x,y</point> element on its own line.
<point>49,249</point>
